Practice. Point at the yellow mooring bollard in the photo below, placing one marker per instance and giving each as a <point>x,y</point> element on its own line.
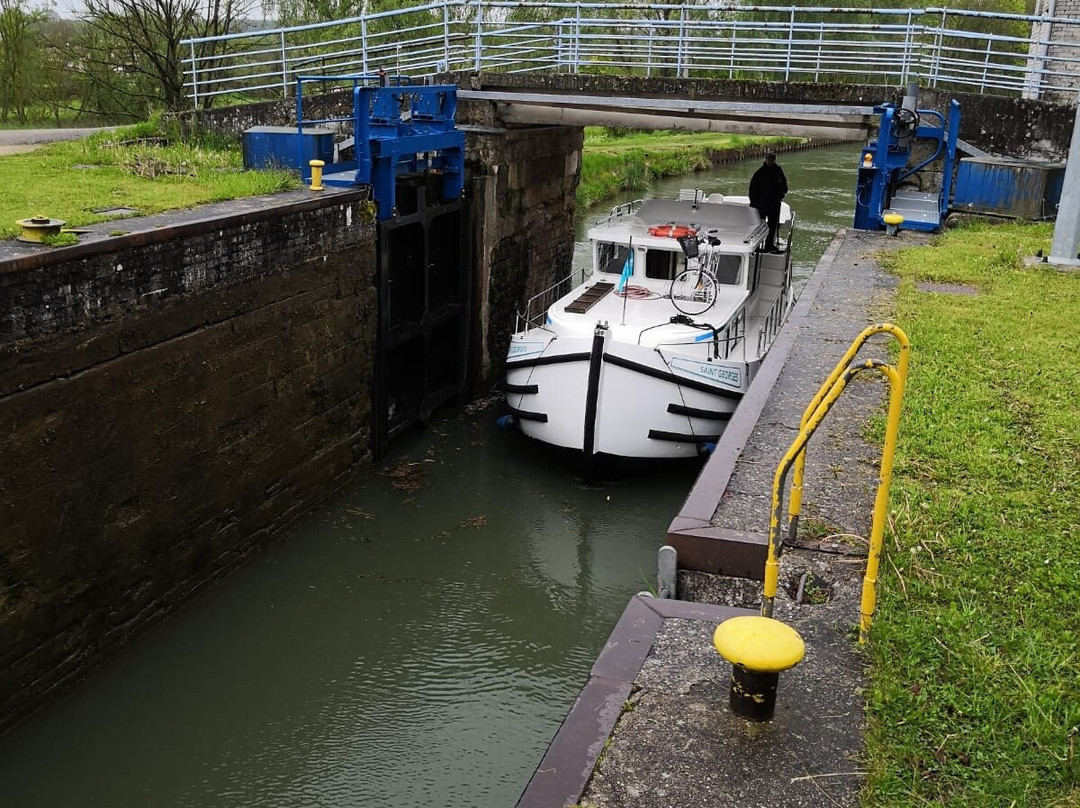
<point>892,223</point>
<point>316,174</point>
<point>758,648</point>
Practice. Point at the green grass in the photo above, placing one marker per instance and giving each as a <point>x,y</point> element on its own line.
<point>138,167</point>
<point>614,161</point>
<point>975,697</point>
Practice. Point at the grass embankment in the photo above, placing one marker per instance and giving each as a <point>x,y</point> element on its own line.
<point>142,167</point>
<point>976,652</point>
<point>614,162</point>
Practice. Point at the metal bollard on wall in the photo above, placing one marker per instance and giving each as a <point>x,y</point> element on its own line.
<point>666,572</point>
<point>316,174</point>
<point>758,648</point>
<point>892,223</point>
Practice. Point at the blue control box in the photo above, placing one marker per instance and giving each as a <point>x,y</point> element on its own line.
<point>285,148</point>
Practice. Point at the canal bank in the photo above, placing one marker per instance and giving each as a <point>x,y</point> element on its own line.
<point>635,163</point>
<point>652,726</point>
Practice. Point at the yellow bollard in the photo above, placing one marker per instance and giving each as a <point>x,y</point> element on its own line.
<point>892,223</point>
<point>758,648</point>
<point>316,174</point>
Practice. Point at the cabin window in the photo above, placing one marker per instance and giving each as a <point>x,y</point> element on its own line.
<point>726,268</point>
<point>610,258</point>
<point>664,265</point>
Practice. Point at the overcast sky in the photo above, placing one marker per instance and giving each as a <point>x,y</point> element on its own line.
<point>67,8</point>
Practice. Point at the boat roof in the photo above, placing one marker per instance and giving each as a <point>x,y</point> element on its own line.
<point>733,222</point>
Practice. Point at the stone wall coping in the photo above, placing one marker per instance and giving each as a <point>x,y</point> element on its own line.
<point>163,233</point>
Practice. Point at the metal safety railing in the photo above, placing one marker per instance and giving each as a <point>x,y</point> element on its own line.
<point>955,49</point>
<point>795,456</point>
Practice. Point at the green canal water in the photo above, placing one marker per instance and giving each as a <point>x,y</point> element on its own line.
<point>415,642</point>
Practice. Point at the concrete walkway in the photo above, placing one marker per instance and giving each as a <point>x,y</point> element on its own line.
<point>653,728</point>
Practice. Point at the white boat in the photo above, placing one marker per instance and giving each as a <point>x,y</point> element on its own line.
<point>650,355</point>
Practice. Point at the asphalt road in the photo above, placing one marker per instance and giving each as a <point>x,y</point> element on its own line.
<point>13,141</point>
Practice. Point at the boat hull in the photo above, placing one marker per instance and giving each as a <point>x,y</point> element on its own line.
<point>600,396</point>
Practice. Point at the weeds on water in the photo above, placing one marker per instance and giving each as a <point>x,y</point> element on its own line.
<point>975,696</point>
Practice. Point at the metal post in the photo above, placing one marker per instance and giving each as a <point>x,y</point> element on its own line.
<point>479,35</point>
<point>679,50</point>
<point>868,601</point>
<point>560,46</point>
<point>731,59</point>
<point>666,572</point>
<point>937,51</point>
<point>986,66</point>
<point>1063,249</point>
<point>820,41</point>
<point>648,58</point>
<point>284,70</point>
<point>577,40</point>
<point>790,42</point>
<point>194,77</point>
<point>909,39</point>
<point>363,46</point>
<point>446,36</point>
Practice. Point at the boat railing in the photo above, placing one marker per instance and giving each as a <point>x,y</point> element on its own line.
<point>734,333</point>
<point>535,313</point>
<point>771,323</point>
<point>625,209</point>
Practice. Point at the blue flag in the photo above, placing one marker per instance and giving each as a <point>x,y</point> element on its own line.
<point>627,270</point>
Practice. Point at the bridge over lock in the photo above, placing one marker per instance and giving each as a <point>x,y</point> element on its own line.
<point>752,69</point>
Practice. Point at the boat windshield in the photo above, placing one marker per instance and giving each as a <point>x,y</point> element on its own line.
<point>610,258</point>
<point>726,267</point>
<point>664,265</point>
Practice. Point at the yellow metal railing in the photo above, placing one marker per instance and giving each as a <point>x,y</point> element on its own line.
<point>819,407</point>
<point>795,506</point>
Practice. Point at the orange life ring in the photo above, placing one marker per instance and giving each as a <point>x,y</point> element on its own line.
<point>671,231</point>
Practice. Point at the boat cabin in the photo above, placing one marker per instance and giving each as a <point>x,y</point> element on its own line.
<point>728,230</point>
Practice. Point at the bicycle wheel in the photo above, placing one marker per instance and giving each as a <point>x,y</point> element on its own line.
<point>693,291</point>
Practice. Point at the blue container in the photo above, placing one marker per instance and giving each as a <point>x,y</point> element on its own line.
<point>1001,186</point>
<point>284,147</point>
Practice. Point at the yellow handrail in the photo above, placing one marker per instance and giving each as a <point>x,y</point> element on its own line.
<point>795,505</point>
<point>822,403</point>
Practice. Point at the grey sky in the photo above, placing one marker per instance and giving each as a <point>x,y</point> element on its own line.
<point>66,8</point>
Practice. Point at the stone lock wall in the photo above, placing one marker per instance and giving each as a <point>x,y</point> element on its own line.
<point>521,185</point>
<point>169,399</point>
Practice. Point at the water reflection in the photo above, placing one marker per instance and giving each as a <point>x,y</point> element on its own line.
<point>410,645</point>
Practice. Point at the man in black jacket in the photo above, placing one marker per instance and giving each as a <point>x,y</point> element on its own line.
<point>767,187</point>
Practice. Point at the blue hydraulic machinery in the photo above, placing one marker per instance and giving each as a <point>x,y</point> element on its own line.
<point>398,129</point>
<point>884,166</point>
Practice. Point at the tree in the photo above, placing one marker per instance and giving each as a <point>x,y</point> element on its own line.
<point>18,50</point>
<point>132,47</point>
<point>57,88</point>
